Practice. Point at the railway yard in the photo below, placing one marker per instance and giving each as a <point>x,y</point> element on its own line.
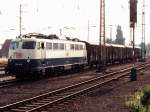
<point>40,79</point>
<point>84,91</point>
<point>74,62</point>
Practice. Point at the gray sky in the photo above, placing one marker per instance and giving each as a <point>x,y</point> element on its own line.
<point>49,16</point>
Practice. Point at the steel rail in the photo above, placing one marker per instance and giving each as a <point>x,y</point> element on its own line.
<point>14,81</point>
<point>38,102</point>
<point>8,83</point>
<point>2,68</point>
<point>11,82</point>
<point>80,91</point>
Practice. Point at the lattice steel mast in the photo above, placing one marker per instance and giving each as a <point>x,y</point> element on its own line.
<point>102,35</point>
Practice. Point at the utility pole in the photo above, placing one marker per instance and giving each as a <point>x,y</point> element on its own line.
<point>143,32</point>
<point>102,36</point>
<point>20,21</point>
<point>88,30</point>
<point>60,32</point>
<point>111,33</point>
<point>130,39</point>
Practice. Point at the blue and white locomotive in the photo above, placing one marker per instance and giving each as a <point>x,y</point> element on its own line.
<point>33,55</point>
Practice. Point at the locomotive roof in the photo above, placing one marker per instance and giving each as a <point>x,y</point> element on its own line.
<point>46,40</point>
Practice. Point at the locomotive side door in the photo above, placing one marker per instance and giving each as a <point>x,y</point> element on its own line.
<point>43,53</point>
<point>67,55</point>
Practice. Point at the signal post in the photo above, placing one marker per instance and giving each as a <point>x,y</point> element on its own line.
<point>133,21</point>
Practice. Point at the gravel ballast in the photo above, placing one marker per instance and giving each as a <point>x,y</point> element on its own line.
<point>110,98</point>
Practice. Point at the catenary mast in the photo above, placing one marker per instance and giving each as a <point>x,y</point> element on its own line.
<point>102,35</point>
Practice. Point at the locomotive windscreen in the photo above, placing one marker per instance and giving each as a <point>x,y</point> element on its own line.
<point>29,45</point>
<point>14,45</point>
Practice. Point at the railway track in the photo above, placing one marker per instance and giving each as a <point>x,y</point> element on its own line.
<point>40,102</point>
<point>8,83</point>
<point>2,70</point>
<point>6,80</point>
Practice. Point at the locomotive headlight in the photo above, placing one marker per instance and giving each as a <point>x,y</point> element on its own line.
<point>28,60</point>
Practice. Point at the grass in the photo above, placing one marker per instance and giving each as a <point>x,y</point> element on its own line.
<point>140,101</point>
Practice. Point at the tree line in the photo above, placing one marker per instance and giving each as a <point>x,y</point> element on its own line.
<point>119,37</point>
<point>121,41</point>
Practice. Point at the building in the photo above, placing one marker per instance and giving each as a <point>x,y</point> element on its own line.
<point>4,49</point>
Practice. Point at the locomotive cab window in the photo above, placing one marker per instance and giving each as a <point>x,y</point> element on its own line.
<point>14,45</point>
<point>29,45</point>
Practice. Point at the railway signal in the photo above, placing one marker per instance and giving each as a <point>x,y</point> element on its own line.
<point>133,12</point>
<point>133,20</point>
<point>143,33</point>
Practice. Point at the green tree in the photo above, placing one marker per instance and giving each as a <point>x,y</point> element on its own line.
<point>109,41</point>
<point>119,36</point>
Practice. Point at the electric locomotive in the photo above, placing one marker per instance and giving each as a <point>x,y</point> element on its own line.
<point>34,55</point>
